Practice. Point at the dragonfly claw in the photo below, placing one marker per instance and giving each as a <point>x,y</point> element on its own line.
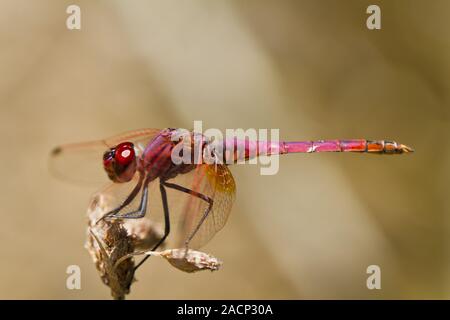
<point>106,215</point>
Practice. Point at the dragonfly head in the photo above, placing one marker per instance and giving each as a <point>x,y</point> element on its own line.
<point>119,162</point>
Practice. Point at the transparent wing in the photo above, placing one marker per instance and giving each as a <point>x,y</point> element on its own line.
<point>185,210</point>
<point>216,182</point>
<point>82,162</point>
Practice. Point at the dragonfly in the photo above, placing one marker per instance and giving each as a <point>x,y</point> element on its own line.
<point>195,197</point>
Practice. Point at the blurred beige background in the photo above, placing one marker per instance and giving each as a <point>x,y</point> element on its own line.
<point>310,68</point>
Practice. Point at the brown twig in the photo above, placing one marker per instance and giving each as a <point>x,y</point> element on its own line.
<point>113,244</point>
<point>110,240</point>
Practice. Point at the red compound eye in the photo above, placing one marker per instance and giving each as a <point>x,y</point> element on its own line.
<point>125,154</point>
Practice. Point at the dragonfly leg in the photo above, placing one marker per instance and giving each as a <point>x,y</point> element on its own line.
<point>166,223</point>
<point>140,212</point>
<point>127,201</point>
<point>198,195</point>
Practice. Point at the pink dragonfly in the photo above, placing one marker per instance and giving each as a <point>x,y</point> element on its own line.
<point>196,197</point>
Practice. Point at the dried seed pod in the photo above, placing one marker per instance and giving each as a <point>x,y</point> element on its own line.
<point>143,233</point>
<point>113,244</point>
<point>187,260</point>
<point>107,242</point>
<point>118,279</point>
<point>191,260</point>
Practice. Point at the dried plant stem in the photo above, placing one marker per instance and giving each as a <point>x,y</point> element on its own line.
<point>118,279</point>
<point>113,244</point>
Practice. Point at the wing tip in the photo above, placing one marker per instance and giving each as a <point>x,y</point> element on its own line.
<point>56,151</point>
